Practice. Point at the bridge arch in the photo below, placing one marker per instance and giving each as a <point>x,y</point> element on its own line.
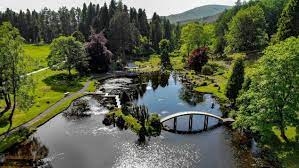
<point>191,114</point>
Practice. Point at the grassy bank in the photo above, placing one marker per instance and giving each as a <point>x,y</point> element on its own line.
<point>149,65</point>
<point>50,87</point>
<point>36,56</point>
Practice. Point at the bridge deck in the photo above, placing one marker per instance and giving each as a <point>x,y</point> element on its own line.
<point>190,113</point>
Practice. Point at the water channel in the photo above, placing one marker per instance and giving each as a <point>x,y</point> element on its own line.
<point>87,143</point>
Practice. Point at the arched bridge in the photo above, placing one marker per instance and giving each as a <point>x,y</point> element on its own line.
<point>191,114</point>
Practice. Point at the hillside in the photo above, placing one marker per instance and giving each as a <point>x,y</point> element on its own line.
<point>198,14</point>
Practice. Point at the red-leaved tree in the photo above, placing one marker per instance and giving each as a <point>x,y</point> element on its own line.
<point>198,58</point>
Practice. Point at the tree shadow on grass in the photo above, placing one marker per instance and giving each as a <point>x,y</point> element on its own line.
<point>64,83</point>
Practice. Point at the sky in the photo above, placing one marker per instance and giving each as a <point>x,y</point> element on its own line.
<point>162,7</point>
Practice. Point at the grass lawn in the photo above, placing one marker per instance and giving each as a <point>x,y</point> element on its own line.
<point>150,65</point>
<point>177,63</point>
<point>47,93</point>
<point>36,56</point>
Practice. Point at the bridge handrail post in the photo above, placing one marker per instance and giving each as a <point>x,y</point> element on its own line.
<point>190,122</point>
<point>174,123</point>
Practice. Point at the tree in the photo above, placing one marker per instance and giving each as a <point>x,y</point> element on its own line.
<point>272,10</point>
<point>156,31</point>
<point>164,47</point>
<point>208,35</point>
<point>14,84</point>
<point>97,52</point>
<point>167,34</point>
<point>104,18</point>
<point>74,14</point>
<point>191,36</point>
<point>247,30</point>
<point>143,48</point>
<point>289,21</point>
<point>78,36</point>
<point>83,20</point>
<point>177,36</point>
<point>112,8</point>
<point>122,34</point>
<point>235,81</point>
<point>65,20</point>
<point>67,53</point>
<point>143,25</point>
<point>198,59</point>
<point>272,98</point>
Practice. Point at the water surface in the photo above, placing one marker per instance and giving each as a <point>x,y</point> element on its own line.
<point>86,142</point>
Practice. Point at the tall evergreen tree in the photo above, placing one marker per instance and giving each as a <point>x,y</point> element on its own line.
<point>289,21</point>
<point>236,80</point>
<point>112,9</point>
<point>156,31</point>
<point>167,29</point>
<point>122,33</point>
<point>104,17</point>
<point>73,20</point>
<point>83,20</point>
<point>65,21</point>
<point>143,25</point>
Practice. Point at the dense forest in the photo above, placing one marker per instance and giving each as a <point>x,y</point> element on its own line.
<point>125,28</point>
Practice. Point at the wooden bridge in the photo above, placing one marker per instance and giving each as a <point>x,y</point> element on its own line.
<point>191,114</point>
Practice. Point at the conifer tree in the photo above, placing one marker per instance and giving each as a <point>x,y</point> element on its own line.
<point>289,21</point>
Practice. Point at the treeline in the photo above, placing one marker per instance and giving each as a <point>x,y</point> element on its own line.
<point>265,99</point>
<point>125,28</point>
<point>253,25</point>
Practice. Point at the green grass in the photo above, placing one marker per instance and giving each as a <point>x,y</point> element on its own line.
<point>36,56</point>
<point>177,63</point>
<point>133,123</point>
<point>56,111</point>
<point>92,86</point>
<point>149,65</point>
<point>46,95</point>
<point>11,140</point>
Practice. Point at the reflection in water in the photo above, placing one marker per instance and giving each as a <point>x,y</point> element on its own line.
<point>88,143</point>
<point>189,96</point>
<point>30,153</point>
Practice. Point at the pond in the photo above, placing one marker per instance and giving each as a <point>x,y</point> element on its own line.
<point>85,142</point>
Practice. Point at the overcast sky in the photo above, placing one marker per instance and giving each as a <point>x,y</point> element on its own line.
<point>162,7</point>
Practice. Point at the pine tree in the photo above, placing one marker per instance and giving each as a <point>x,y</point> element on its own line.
<point>82,25</point>
<point>289,21</point>
<point>104,17</point>
<point>143,25</point>
<point>73,20</point>
<point>156,31</point>
<point>65,20</point>
<point>167,29</point>
<point>112,9</point>
<point>235,81</point>
<point>120,33</point>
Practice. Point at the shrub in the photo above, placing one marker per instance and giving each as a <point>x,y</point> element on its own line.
<point>207,70</point>
<point>198,59</point>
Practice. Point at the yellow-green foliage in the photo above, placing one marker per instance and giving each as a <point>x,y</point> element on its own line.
<point>177,62</point>
<point>36,56</point>
<point>150,65</point>
<point>133,123</point>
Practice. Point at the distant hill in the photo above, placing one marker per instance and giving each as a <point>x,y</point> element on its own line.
<point>207,13</point>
